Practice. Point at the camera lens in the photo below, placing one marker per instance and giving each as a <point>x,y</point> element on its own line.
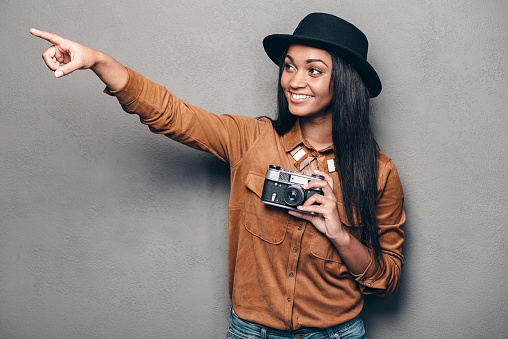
<point>294,195</point>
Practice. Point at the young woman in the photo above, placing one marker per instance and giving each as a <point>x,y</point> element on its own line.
<point>299,272</point>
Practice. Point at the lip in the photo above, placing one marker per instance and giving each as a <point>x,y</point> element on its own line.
<point>299,97</point>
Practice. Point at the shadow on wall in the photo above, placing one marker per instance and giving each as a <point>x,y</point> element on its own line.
<point>196,185</point>
<point>175,167</point>
<point>378,310</point>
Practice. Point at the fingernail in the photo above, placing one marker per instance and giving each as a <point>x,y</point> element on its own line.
<point>58,74</point>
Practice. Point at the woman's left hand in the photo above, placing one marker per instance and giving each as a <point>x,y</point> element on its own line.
<point>326,219</point>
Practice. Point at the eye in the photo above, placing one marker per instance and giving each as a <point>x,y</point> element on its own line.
<point>314,71</point>
<point>289,67</point>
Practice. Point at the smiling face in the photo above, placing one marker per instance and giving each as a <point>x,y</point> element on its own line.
<point>306,81</point>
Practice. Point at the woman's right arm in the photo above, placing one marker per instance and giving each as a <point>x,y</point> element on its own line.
<point>66,56</point>
<point>227,137</point>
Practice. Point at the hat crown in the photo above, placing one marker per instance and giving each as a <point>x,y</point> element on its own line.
<point>334,30</point>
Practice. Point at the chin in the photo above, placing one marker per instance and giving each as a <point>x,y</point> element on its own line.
<point>302,113</point>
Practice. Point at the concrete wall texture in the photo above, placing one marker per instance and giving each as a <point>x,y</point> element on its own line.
<point>109,231</point>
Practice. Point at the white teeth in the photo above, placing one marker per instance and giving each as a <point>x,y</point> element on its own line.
<point>300,96</point>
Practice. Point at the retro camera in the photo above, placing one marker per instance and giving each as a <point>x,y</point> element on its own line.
<point>284,188</point>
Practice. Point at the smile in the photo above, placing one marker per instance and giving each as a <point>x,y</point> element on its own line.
<point>300,96</point>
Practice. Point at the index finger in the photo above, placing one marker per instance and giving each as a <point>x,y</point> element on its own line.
<point>327,177</point>
<point>53,38</point>
<point>326,185</point>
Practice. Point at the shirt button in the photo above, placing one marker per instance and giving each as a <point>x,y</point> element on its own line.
<point>299,228</point>
<point>289,300</point>
<point>295,250</point>
<point>291,274</point>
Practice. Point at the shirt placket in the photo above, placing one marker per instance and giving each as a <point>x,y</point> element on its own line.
<point>298,227</point>
<point>304,160</point>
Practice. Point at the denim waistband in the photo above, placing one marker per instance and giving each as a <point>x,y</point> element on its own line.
<point>247,328</point>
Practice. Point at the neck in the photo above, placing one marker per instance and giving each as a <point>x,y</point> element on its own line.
<point>318,132</point>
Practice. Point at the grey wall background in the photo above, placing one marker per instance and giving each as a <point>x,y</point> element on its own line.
<point>108,231</point>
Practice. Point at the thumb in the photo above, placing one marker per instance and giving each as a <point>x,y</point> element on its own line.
<point>67,69</point>
<point>300,215</point>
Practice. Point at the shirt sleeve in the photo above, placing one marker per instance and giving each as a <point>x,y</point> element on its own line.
<point>382,278</point>
<point>225,136</point>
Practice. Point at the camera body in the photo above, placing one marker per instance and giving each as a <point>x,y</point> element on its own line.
<point>284,188</point>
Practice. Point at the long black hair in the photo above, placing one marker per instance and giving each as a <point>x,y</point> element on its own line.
<point>355,148</point>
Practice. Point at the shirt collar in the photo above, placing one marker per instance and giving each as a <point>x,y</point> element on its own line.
<point>294,138</point>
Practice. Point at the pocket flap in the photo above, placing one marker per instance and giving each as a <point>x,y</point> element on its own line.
<point>321,247</point>
<point>255,182</point>
<point>269,223</point>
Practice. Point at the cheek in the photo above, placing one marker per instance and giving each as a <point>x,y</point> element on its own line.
<point>326,91</point>
<point>284,80</point>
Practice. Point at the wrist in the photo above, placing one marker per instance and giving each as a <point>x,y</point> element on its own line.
<point>99,61</point>
<point>113,74</point>
<point>341,237</point>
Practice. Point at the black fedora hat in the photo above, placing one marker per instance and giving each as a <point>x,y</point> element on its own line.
<point>333,34</point>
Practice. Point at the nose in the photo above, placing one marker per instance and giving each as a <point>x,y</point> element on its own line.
<point>298,80</point>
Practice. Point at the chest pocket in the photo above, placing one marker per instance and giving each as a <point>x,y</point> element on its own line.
<point>321,247</point>
<point>269,223</point>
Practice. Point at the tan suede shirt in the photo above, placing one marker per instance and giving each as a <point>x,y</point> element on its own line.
<point>283,273</point>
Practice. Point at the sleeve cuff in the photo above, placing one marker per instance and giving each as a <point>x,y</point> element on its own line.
<point>130,91</point>
<point>109,91</point>
<point>365,278</point>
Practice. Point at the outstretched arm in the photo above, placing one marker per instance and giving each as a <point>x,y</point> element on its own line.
<point>66,56</point>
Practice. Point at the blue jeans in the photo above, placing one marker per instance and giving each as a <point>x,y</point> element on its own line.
<point>241,329</point>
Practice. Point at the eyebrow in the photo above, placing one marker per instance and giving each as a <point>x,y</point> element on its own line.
<point>308,60</point>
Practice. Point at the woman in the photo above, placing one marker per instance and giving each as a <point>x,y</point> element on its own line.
<point>303,272</point>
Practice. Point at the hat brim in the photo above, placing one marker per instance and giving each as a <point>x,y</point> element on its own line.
<point>276,44</point>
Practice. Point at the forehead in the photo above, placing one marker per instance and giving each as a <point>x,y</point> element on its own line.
<point>306,52</point>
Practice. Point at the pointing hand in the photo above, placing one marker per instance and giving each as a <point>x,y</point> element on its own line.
<point>65,56</point>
